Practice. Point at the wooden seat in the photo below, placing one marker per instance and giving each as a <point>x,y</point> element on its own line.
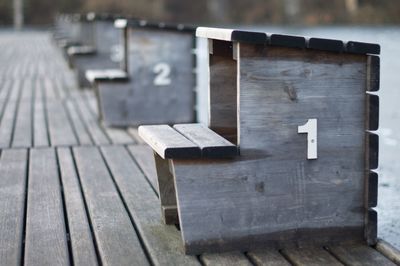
<point>301,112</point>
<point>186,141</point>
<point>106,75</point>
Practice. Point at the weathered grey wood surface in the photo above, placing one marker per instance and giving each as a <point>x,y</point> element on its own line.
<point>68,205</point>
<point>168,143</point>
<point>164,93</point>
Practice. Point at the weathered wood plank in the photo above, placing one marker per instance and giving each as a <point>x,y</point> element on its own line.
<point>225,259</point>
<point>310,256</point>
<point>46,239</point>
<point>83,250</point>
<point>210,143</point>
<point>7,124</point>
<point>144,156</point>
<point>13,173</point>
<point>162,242</point>
<point>22,136</point>
<point>268,257</point>
<point>388,251</point>
<point>359,255</point>
<point>115,235</point>
<point>40,136</point>
<point>96,133</point>
<point>60,130</point>
<point>168,143</point>
<point>81,132</point>
<point>373,73</point>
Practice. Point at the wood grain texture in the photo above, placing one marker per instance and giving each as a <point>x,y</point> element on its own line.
<point>60,130</point>
<point>83,250</point>
<point>168,143</point>
<point>80,129</point>
<point>40,133</point>
<point>162,242</point>
<point>13,172</point>
<point>144,157</point>
<point>223,91</point>
<point>371,227</point>
<point>22,136</point>
<point>388,251</point>
<point>115,235</point>
<point>225,259</point>
<point>310,256</point>
<point>359,255</point>
<point>373,112</point>
<point>142,101</point>
<point>7,124</point>
<point>211,144</point>
<point>268,257</point>
<point>46,239</point>
<point>373,73</point>
<point>372,151</point>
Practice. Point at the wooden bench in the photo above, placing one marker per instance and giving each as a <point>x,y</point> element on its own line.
<point>160,83</point>
<point>106,53</point>
<point>301,112</point>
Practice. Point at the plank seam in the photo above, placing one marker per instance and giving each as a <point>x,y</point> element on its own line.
<point>16,111</point>
<point>28,159</point>
<point>68,235</point>
<point>71,122</point>
<point>334,255</point>
<point>96,248</point>
<point>132,220</point>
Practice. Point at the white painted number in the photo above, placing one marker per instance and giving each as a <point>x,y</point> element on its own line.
<point>162,71</point>
<point>310,128</point>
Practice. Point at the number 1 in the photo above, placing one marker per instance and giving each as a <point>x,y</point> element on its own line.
<point>310,128</point>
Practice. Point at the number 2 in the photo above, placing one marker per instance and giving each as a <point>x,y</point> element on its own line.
<point>310,128</point>
<point>162,78</point>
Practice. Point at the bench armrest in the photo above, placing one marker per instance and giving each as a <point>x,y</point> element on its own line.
<point>187,141</point>
<point>106,75</point>
<point>168,143</point>
<point>211,144</point>
<point>81,50</point>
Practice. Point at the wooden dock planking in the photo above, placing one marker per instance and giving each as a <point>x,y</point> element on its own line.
<point>83,249</point>
<point>46,236</point>
<point>13,170</point>
<point>115,235</point>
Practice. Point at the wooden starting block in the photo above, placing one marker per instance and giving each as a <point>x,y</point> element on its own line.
<point>159,86</point>
<point>288,154</point>
<point>107,52</point>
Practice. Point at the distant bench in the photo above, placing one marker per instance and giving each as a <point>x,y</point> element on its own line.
<point>157,83</point>
<point>288,155</point>
<point>105,53</point>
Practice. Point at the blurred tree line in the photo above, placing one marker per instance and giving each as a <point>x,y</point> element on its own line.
<point>309,12</point>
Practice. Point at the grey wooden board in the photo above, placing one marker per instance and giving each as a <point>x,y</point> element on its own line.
<point>268,257</point>
<point>140,101</point>
<point>5,90</point>
<point>225,259</point>
<point>97,134</point>
<point>80,129</point>
<point>360,255</point>
<point>162,242</point>
<point>310,256</point>
<point>45,241</point>
<point>210,143</point>
<point>13,172</point>
<point>40,133</point>
<point>82,245</point>
<point>60,130</point>
<point>168,143</point>
<point>22,136</point>
<point>7,124</point>
<point>144,157</point>
<point>115,235</point>
<point>223,91</point>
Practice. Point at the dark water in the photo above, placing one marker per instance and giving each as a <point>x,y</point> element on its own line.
<point>389,132</point>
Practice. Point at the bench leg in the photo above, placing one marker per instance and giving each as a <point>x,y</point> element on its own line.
<point>166,190</point>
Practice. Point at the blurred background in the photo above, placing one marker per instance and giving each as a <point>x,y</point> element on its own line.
<point>360,20</point>
<point>304,12</point>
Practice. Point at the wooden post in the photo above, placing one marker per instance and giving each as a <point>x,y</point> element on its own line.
<point>18,14</point>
